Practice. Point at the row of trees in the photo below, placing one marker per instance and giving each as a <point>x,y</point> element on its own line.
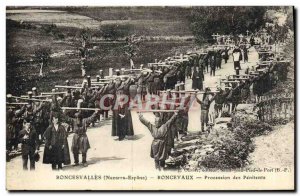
<point>130,49</point>
<point>205,21</point>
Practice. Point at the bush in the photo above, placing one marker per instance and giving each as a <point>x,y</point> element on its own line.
<point>51,29</point>
<point>251,128</point>
<point>115,31</point>
<point>278,121</point>
<point>233,147</point>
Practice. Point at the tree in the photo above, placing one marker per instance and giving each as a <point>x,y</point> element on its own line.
<point>205,21</point>
<point>279,23</point>
<point>42,56</point>
<point>85,36</point>
<point>132,47</point>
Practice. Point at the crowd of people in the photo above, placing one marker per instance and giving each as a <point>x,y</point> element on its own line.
<point>44,121</point>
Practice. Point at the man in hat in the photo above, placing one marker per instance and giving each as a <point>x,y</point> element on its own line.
<point>80,142</point>
<point>205,104</point>
<point>30,144</point>
<point>160,132</point>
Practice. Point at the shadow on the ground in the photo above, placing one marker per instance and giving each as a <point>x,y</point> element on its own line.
<point>91,161</point>
<point>135,137</point>
<point>105,122</point>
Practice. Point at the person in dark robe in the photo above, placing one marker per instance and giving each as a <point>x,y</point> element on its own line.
<point>115,111</point>
<point>56,150</point>
<point>30,143</point>
<point>213,64</point>
<point>159,147</point>
<point>252,41</point>
<point>181,72</point>
<point>225,55</point>
<point>218,59</point>
<point>123,121</point>
<point>201,64</point>
<point>197,79</point>
<point>188,71</point>
<point>80,141</point>
<point>157,82</point>
<point>245,52</point>
<point>206,62</point>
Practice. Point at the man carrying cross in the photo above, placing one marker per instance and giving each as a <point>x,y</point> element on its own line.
<point>159,147</point>
<point>80,141</point>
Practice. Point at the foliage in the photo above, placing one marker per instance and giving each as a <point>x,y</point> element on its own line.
<point>132,45</point>
<point>51,29</point>
<point>278,23</point>
<point>42,55</point>
<point>205,21</point>
<point>278,121</point>
<point>233,147</point>
<point>115,31</point>
<point>15,24</point>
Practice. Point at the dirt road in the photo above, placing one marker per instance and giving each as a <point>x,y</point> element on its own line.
<point>107,154</point>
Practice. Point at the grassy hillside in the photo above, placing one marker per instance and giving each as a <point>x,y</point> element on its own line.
<point>147,21</point>
<point>22,73</point>
<point>121,13</point>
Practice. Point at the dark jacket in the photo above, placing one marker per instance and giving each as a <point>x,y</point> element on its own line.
<point>29,145</point>
<point>56,139</point>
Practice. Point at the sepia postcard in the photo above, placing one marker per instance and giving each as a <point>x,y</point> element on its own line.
<point>150,98</point>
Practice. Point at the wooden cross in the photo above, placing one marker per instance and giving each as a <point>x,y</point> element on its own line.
<point>18,103</point>
<point>144,111</point>
<point>74,108</point>
<point>54,93</point>
<point>73,87</point>
<point>32,99</point>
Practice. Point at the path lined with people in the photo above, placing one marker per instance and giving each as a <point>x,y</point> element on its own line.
<point>130,155</point>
